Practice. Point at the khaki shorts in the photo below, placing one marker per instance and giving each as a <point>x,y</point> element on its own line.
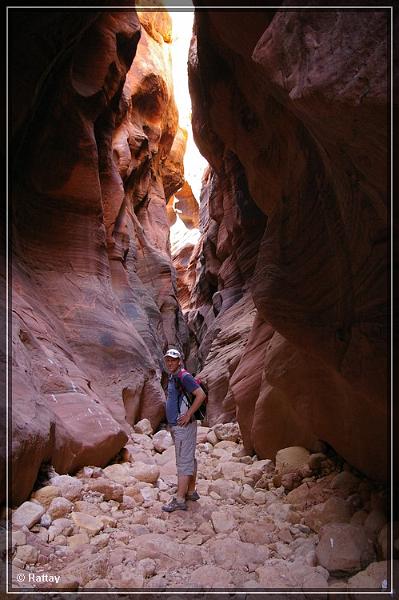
<point>185,439</point>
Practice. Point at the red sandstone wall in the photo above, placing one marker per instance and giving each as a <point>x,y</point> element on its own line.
<point>94,296</point>
<point>299,100</point>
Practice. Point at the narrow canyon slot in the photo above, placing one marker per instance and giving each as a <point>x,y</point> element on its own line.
<point>199,212</point>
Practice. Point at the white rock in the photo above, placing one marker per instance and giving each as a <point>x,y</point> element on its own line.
<point>247,493</point>
<point>45,520</point>
<point>147,566</point>
<point>59,508</point>
<point>143,427</point>
<point>142,441</point>
<point>275,576</point>
<point>85,521</point>
<point>74,541</point>
<point>292,458</point>
<point>70,487</point>
<point>120,473</point>
<point>223,522</point>
<point>100,541</point>
<point>279,511</point>
<point>227,431</point>
<point>144,472</point>
<point>149,495</point>
<point>28,514</point>
<point>259,498</point>
<point>214,496</point>
<point>314,581</point>
<point>27,554</point>
<point>221,454</point>
<point>61,540</point>
<point>98,584</point>
<point>107,488</point>
<point>46,494</point>
<point>167,456</point>
<point>224,488</point>
<point>258,468</point>
<point>18,538</point>
<point>157,525</point>
<point>172,553</point>
<point>212,438</point>
<point>209,576</point>
<point>231,553</point>
<point>162,440</point>
<point>229,470</point>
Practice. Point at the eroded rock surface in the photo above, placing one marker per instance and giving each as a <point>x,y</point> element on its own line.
<point>290,110</point>
<point>94,294</point>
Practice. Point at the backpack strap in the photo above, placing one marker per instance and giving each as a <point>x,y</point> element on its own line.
<point>181,373</point>
<point>179,385</point>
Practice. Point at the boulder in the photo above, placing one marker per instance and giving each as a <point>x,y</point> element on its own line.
<point>344,548</point>
<point>227,431</point>
<point>334,510</point>
<point>59,508</point>
<point>345,482</point>
<point>27,515</point>
<point>119,473</point>
<point>230,553</point>
<point>108,488</point>
<point>209,576</point>
<point>225,488</point>
<point>69,487</point>
<point>87,522</point>
<point>223,522</point>
<point>374,522</point>
<point>291,459</point>
<point>27,554</point>
<point>46,494</point>
<point>143,427</point>
<point>173,554</point>
<point>144,472</point>
<point>257,533</point>
<point>230,470</point>
<point>375,577</point>
<point>162,440</point>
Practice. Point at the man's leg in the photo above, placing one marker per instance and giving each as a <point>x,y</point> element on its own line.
<point>186,464</point>
<point>192,480</point>
<point>182,485</point>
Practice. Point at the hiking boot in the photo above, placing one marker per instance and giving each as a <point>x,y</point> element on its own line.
<point>174,504</point>
<point>193,496</point>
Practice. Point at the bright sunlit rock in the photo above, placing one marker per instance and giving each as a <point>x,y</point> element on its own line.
<point>194,162</point>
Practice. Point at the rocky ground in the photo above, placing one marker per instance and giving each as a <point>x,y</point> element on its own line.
<point>307,522</point>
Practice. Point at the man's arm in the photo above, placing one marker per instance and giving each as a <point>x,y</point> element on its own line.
<point>200,396</point>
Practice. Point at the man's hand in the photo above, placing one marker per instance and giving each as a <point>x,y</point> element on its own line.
<point>184,419</point>
<point>199,398</point>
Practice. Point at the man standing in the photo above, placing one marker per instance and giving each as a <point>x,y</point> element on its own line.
<point>183,428</point>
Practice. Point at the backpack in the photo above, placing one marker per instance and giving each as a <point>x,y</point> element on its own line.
<point>200,413</point>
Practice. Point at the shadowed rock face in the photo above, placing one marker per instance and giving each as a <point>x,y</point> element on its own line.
<point>94,302</point>
<point>300,104</point>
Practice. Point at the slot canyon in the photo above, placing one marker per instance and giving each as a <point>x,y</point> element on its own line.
<point>269,271</point>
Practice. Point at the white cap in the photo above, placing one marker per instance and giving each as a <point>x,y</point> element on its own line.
<point>173,353</point>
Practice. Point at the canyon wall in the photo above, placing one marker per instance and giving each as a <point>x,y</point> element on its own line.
<point>290,108</point>
<point>96,152</point>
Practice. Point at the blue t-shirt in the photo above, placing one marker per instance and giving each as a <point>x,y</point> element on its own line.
<point>175,401</point>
